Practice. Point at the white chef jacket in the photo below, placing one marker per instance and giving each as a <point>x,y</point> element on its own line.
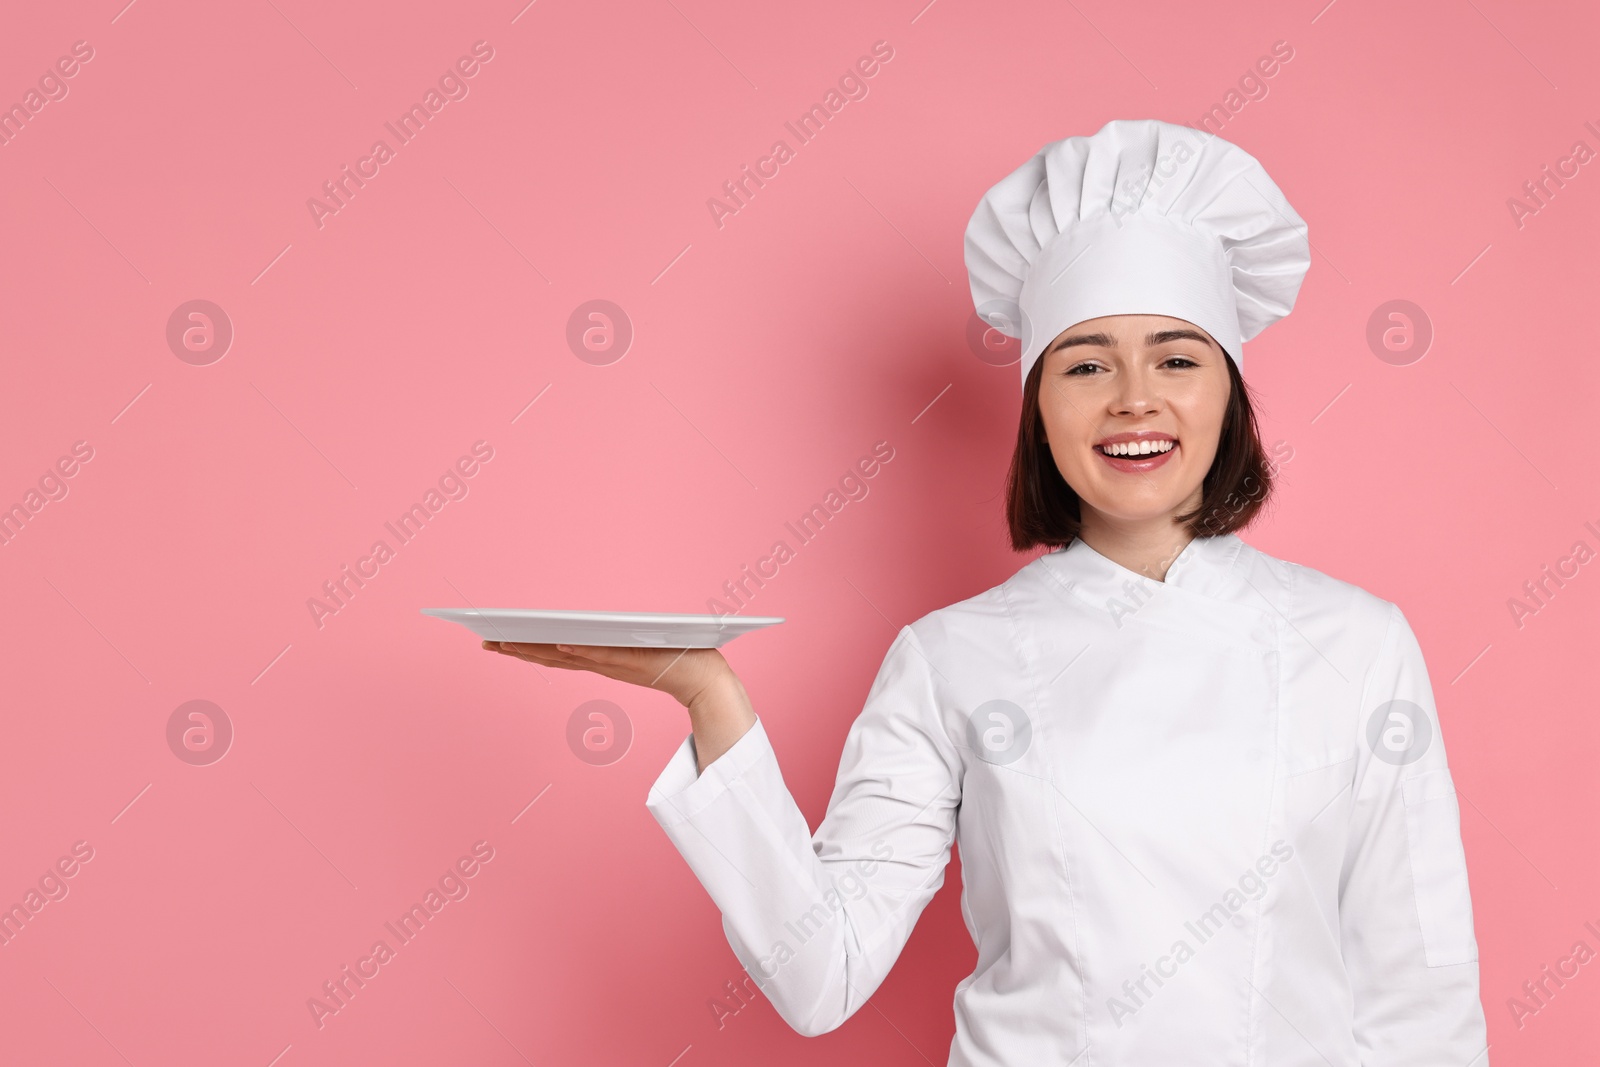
<point>1202,821</point>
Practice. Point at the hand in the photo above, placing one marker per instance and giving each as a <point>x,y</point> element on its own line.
<point>698,678</point>
<point>682,673</point>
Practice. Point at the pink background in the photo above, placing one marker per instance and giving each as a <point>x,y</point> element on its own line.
<point>372,752</point>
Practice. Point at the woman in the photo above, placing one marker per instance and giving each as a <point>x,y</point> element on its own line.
<point>1201,795</point>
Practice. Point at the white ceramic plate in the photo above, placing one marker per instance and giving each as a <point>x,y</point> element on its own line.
<point>632,629</point>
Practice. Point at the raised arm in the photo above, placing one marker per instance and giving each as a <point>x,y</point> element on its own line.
<point>1405,912</point>
<point>818,920</point>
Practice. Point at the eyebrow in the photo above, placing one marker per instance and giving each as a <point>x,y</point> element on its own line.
<point>1105,340</point>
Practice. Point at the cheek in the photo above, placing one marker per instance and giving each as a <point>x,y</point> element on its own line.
<point>1199,417</point>
<point>1061,411</point>
<point>1068,437</point>
<point>1062,428</point>
<point>1071,463</point>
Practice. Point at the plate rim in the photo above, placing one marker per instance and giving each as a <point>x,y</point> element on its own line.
<point>624,618</point>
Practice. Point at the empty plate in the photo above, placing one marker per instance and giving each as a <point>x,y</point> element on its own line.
<point>629,629</point>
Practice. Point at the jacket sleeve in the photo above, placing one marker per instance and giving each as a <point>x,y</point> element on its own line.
<point>1405,912</point>
<point>818,920</point>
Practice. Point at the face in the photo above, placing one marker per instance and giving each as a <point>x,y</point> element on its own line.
<point>1149,385</point>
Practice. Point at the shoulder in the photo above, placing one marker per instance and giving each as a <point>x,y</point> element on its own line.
<point>1308,597</point>
<point>980,626</point>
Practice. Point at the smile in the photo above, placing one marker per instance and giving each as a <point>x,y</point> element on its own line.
<point>1137,456</point>
<point>1137,448</point>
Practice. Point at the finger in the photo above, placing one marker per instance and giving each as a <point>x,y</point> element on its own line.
<point>543,661</point>
<point>549,663</point>
<point>530,651</point>
<point>536,648</point>
<point>588,655</point>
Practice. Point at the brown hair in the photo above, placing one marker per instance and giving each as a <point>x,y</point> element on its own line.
<point>1042,509</point>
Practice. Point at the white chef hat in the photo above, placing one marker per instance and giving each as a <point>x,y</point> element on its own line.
<point>1143,217</point>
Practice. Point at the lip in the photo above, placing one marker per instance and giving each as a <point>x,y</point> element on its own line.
<point>1143,464</point>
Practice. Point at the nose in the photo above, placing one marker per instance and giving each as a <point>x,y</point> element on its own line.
<point>1135,393</point>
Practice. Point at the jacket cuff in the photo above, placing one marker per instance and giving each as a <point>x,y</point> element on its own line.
<point>681,791</point>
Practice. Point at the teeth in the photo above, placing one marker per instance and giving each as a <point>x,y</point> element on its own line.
<point>1137,448</point>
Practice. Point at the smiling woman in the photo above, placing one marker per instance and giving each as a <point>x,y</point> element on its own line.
<point>1143,414</point>
<point>1103,767</point>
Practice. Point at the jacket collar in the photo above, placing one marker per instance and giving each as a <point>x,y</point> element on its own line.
<point>1206,566</point>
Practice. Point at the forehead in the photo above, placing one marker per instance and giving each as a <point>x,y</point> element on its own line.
<point>1126,333</point>
<point>1129,326</point>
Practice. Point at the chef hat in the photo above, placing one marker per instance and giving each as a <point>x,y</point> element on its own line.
<point>1144,217</point>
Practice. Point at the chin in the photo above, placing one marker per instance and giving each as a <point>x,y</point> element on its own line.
<point>1133,517</point>
<point>1138,511</point>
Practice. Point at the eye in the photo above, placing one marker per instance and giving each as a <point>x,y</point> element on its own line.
<point>1081,369</point>
<point>1183,361</point>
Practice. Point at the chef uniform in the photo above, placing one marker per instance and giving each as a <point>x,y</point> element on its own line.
<point>1205,820</point>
